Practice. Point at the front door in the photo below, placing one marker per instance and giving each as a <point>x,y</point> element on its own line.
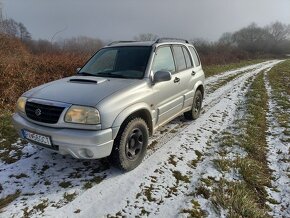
<point>167,98</point>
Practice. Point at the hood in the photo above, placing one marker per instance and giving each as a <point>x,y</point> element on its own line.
<point>79,90</point>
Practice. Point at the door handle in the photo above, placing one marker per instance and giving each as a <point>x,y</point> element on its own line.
<point>193,73</point>
<point>176,80</point>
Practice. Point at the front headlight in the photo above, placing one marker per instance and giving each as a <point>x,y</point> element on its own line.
<point>20,105</point>
<point>82,115</point>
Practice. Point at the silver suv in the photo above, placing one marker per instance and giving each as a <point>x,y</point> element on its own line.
<point>115,101</point>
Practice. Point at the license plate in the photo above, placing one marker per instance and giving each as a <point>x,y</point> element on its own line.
<point>34,137</point>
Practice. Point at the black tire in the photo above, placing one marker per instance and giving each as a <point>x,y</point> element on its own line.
<point>130,145</point>
<point>194,113</point>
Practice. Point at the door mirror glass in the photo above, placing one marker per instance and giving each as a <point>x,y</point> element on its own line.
<point>161,76</point>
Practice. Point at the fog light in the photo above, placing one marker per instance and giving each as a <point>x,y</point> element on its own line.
<point>89,153</point>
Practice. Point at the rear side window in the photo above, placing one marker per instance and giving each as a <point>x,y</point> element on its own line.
<point>195,57</point>
<point>179,58</point>
<point>163,60</point>
<point>187,57</point>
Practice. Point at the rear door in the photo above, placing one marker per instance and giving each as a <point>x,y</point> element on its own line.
<point>197,71</point>
<point>184,74</point>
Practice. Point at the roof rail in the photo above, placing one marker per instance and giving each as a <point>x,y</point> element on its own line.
<point>116,42</point>
<point>171,39</point>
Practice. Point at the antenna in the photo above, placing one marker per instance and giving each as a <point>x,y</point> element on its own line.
<point>1,15</point>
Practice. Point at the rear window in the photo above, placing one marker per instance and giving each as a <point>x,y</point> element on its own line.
<point>179,58</point>
<point>187,57</point>
<point>194,56</point>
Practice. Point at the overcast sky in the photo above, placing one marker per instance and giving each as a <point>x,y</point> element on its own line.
<point>124,19</point>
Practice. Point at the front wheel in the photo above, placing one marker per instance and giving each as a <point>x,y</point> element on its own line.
<point>194,113</point>
<point>130,145</point>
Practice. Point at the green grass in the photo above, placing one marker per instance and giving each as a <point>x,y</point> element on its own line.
<point>65,184</point>
<point>223,82</point>
<point>148,193</point>
<point>238,198</point>
<point>69,197</point>
<point>216,69</point>
<point>179,177</point>
<point>8,199</point>
<point>254,168</point>
<point>195,210</point>
<point>279,79</point>
<point>93,181</point>
<point>35,209</point>
<point>19,176</point>
<point>246,197</point>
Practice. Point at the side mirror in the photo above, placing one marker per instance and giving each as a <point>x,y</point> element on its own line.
<point>78,69</point>
<point>161,76</point>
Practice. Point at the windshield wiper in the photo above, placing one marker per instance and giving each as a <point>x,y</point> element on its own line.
<point>85,74</point>
<point>111,75</point>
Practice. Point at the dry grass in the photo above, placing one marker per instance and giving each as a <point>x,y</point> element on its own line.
<point>8,199</point>
<point>238,199</point>
<point>279,78</point>
<point>247,197</point>
<point>211,70</point>
<point>8,137</point>
<point>21,70</point>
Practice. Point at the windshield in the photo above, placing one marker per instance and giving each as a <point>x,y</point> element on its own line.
<point>120,62</point>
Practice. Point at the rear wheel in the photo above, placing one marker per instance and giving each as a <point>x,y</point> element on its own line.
<point>130,145</point>
<point>196,107</point>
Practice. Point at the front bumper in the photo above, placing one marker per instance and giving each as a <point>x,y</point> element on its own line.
<point>82,144</point>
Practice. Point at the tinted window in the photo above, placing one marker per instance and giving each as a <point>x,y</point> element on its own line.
<point>163,60</point>
<point>179,58</point>
<point>121,62</point>
<point>187,58</point>
<point>195,57</point>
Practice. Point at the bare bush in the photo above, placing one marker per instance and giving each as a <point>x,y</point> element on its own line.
<point>146,37</point>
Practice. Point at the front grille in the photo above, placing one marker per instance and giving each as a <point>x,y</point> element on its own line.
<point>43,113</point>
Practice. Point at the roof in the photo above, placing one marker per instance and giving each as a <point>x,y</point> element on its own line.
<point>132,43</point>
<point>147,43</point>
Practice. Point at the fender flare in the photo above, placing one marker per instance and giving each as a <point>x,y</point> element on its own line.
<point>124,114</point>
<point>197,85</point>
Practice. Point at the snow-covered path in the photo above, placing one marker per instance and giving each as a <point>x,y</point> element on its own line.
<point>178,158</point>
<point>125,194</point>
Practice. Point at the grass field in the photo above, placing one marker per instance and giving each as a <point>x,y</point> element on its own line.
<point>216,69</point>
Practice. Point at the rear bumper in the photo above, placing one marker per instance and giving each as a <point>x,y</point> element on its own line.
<point>82,144</point>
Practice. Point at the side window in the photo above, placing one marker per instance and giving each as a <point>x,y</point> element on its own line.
<point>179,58</point>
<point>163,60</point>
<point>195,57</point>
<point>187,57</point>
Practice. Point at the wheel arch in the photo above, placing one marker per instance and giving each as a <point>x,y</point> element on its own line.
<point>138,110</point>
<point>199,86</point>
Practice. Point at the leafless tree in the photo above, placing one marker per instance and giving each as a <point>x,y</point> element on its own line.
<point>80,44</point>
<point>226,39</point>
<point>252,38</point>
<point>146,37</point>
<point>279,31</point>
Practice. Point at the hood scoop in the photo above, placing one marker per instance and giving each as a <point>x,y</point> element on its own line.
<point>76,80</point>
